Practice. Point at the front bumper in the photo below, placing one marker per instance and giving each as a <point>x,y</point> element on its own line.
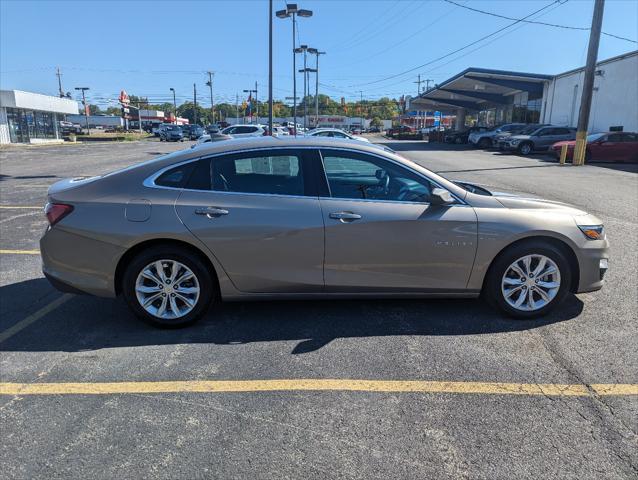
<point>593,261</point>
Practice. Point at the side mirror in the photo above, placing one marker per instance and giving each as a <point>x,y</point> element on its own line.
<point>440,196</point>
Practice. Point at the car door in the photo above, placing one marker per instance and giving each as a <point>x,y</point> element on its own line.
<point>630,148</point>
<point>545,138</point>
<point>382,234</point>
<point>258,212</point>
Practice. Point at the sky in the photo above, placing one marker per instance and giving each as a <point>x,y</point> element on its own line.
<point>374,48</point>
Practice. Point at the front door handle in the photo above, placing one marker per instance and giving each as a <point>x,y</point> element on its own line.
<point>211,212</point>
<point>345,216</point>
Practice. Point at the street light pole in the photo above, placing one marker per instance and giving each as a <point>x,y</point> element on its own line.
<point>174,107</point>
<point>316,52</point>
<point>249,91</point>
<point>212,102</point>
<point>270,101</point>
<point>292,11</point>
<point>86,113</point>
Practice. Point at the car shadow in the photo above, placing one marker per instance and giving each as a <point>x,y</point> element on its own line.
<point>89,323</point>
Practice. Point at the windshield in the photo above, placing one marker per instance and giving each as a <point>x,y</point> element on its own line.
<point>595,136</point>
<point>528,130</point>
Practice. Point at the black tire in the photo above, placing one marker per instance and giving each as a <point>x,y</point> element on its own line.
<point>190,260</point>
<point>458,140</point>
<point>525,148</point>
<point>492,286</point>
<point>485,143</point>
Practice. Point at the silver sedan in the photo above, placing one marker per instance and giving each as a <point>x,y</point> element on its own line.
<point>309,217</point>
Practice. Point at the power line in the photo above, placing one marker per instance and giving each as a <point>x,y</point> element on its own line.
<point>449,54</point>
<point>568,27</point>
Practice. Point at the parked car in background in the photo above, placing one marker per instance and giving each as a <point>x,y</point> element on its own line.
<point>68,127</point>
<point>278,131</point>
<point>238,131</point>
<point>213,137</point>
<point>400,130</point>
<point>214,128</point>
<point>374,130</point>
<point>484,139</point>
<point>170,133</point>
<point>604,147</point>
<point>522,130</point>
<point>334,133</point>
<point>192,132</point>
<point>331,219</point>
<point>537,140</point>
<point>459,138</point>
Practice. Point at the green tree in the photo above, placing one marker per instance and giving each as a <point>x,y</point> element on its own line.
<point>114,111</point>
<point>94,110</point>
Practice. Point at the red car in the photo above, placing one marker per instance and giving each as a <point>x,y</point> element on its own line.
<point>605,147</point>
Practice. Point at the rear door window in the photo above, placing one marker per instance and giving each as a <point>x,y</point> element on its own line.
<point>274,172</point>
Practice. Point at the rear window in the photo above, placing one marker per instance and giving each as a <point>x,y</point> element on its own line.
<point>175,177</point>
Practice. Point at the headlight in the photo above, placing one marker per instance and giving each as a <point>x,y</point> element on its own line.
<point>593,232</point>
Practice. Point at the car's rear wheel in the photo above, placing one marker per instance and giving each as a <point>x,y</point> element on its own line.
<point>529,280</point>
<point>458,140</point>
<point>168,287</point>
<point>525,148</point>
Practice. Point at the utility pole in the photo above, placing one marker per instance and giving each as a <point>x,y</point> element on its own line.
<point>270,102</point>
<point>303,49</point>
<point>316,52</point>
<point>418,92</point>
<point>174,106</point>
<point>236,108</point>
<point>588,83</point>
<point>361,108</point>
<point>212,102</point>
<point>86,109</point>
<point>256,104</point>
<point>59,75</point>
<point>250,92</point>
<point>195,103</point>
<point>427,83</point>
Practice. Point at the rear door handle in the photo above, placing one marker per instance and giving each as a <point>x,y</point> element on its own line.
<point>345,216</point>
<point>211,212</point>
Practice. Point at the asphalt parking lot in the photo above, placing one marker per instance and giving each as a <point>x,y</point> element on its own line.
<point>345,389</point>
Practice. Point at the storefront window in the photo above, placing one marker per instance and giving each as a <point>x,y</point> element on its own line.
<point>25,125</point>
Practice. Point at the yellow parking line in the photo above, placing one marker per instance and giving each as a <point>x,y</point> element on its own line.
<point>20,252</point>
<point>34,317</point>
<point>16,207</point>
<point>340,385</point>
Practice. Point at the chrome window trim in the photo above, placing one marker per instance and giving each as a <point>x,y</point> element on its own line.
<point>149,182</point>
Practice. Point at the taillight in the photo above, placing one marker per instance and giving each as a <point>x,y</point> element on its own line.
<point>56,212</point>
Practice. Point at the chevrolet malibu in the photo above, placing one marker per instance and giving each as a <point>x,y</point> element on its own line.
<point>309,217</point>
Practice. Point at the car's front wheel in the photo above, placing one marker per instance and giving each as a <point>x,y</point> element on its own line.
<point>168,287</point>
<point>528,280</point>
<point>525,148</point>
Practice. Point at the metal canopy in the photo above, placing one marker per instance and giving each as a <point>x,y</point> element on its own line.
<point>479,89</point>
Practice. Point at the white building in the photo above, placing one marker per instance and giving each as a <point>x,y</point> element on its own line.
<point>27,117</point>
<point>614,102</point>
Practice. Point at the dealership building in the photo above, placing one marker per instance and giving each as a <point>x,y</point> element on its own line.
<point>494,97</point>
<point>27,117</point>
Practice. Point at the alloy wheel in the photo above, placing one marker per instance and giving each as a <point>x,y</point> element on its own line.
<point>530,283</point>
<point>167,289</point>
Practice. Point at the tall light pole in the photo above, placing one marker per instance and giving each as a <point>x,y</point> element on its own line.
<point>588,84</point>
<point>212,102</point>
<point>251,91</point>
<point>292,11</point>
<point>270,102</point>
<point>86,112</point>
<point>303,49</point>
<point>314,51</point>
<point>174,106</point>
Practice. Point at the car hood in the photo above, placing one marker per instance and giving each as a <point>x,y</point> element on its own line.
<point>517,202</point>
